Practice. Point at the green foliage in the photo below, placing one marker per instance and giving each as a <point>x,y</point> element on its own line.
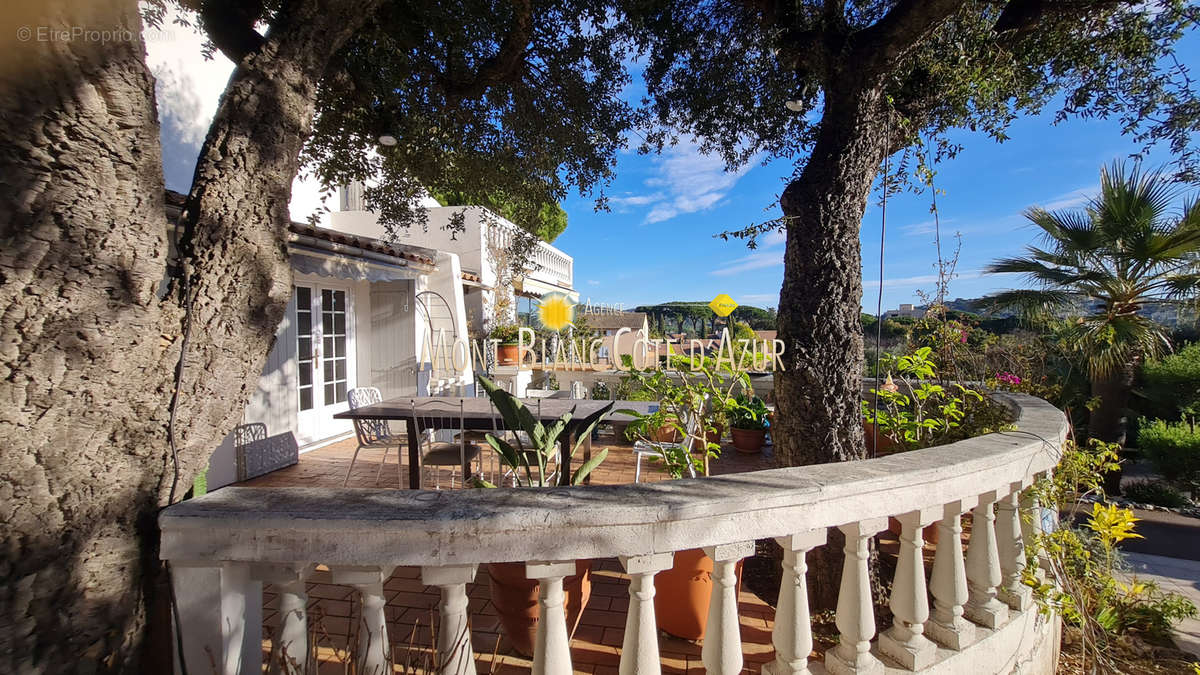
<point>1174,448</point>
<point>1123,250</point>
<point>1171,385</point>
<point>528,465</point>
<point>507,334</point>
<point>1154,492</point>
<point>919,412</point>
<point>489,100</point>
<point>549,222</point>
<point>747,411</point>
<point>1088,587</point>
<point>707,392</point>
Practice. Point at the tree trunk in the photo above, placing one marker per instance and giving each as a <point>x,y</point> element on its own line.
<point>818,393</point>
<point>90,335</point>
<point>1108,422</point>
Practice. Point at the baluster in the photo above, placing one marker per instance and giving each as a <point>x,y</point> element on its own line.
<point>1031,523</point>
<point>551,648</point>
<point>722,650</point>
<point>220,617</point>
<point>373,646</point>
<point>289,648</point>
<point>983,567</point>
<point>855,611</point>
<point>639,650</point>
<point>1011,544</point>
<point>949,582</point>
<point>455,654</point>
<point>792,635</point>
<point>905,640</point>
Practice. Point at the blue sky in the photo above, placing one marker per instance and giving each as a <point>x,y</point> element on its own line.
<point>656,244</point>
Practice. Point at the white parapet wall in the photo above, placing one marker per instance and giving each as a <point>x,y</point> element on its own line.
<point>981,620</point>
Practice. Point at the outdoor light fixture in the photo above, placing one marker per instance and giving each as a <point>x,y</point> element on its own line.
<point>387,139</point>
<point>794,106</point>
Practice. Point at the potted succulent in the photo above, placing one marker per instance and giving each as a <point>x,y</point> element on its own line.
<point>683,591</point>
<point>748,422</point>
<point>513,595</point>
<point>508,352</point>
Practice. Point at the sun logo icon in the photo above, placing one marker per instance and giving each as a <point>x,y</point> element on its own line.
<point>556,311</point>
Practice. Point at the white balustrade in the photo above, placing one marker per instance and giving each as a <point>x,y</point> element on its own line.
<point>948,582</point>
<point>792,635</point>
<point>454,653</point>
<point>639,647</point>
<point>374,649</point>
<point>1010,545</point>
<point>855,610</point>
<point>551,648</point>
<point>723,655</point>
<point>905,640</point>
<point>224,546</point>
<point>983,567</point>
<point>289,647</point>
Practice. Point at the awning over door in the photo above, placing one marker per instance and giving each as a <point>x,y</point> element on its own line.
<point>341,266</point>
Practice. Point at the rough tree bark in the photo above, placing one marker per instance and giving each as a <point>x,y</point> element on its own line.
<point>1109,421</point>
<point>87,345</point>
<point>818,394</point>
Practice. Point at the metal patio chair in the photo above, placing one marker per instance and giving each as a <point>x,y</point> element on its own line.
<point>373,433</point>
<point>442,436</point>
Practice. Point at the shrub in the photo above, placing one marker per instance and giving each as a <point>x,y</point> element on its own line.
<point>1154,492</point>
<point>1171,386</point>
<point>1174,448</point>
<point>1088,585</point>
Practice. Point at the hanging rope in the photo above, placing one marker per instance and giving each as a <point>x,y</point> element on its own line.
<point>879,297</point>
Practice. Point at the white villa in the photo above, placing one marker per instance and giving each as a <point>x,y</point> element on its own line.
<point>362,311</point>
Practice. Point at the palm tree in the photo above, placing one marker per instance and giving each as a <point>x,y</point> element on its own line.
<point>1100,265</point>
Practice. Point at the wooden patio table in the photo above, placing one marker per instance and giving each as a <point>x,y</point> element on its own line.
<point>477,416</point>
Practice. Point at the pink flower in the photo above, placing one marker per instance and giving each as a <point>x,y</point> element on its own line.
<point>1008,378</point>
<point>962,336</point>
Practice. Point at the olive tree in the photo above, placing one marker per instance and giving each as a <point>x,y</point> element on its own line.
<point>120,371</point>
<point>834,87</point>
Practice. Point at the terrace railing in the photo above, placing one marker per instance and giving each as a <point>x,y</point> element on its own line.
<point>981,619</point>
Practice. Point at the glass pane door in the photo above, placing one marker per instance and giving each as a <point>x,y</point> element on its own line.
<point>324,358</point>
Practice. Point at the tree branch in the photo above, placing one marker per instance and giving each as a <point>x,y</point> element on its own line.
<point>230,25</point>
<point>901,29</point>
<point>507,60</point>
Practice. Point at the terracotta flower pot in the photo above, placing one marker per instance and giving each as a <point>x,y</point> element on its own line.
<point>682,594</point>
<point>929,534</point>
<point>667,433</point>
<point>887,444</point>
<point>508,355</point>
<point>515,599</point>
<point>748,441</point>
<point>715,435</point>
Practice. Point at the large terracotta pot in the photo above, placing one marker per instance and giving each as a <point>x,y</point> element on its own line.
<point>748,441</point>
<point>667,433</point>
<point>515,599</point>
<point>508,355</point>
<point>682,594</point>
<point>929,534</point>
<point>887,445</point>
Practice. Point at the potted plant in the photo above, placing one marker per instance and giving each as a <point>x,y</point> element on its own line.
<point>683,591</point>
<point>748,422</point>
<point>508,352</point>
<point>513,595</point>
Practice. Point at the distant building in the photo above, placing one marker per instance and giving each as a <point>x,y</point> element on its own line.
<point>906,310</point>
<point>607,325</point>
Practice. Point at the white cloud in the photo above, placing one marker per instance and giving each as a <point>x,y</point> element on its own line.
<point>757,298</point>
<point>768,254</point>
<point>188,89</point>
<point>689,180</point>
<point>1070,200</point>
<point>593,282</point>
<point>625,203</point>
<point>918,280</point>
<point>926,227</point>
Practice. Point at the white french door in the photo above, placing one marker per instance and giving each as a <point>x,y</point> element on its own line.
<point>325,358</point>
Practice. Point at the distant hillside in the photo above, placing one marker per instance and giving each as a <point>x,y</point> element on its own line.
<point>1167,315</point>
